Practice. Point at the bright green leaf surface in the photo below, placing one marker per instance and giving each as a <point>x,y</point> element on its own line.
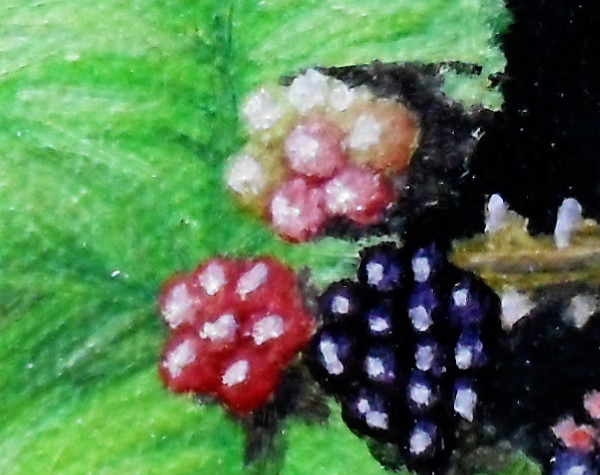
<point>115,121</point>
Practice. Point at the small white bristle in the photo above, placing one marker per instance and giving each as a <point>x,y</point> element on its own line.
<point>252,280</point>
<point>267,328</point>
<point>212,279</point>
<point>236,373</point>
<point>496,214</point>
<point>177,305</point>
<point>465,402</point>
<point>420,441</point>
<point>261,110</point>
<point>245,176</point>
<point>515,306</point>
<point>421,269</point>
<point>179,358</point>
<point>222,329</point>
<point>365,133</point>
<point>581,309</point>
<point>420,318</point>
<point>568,219</point>
<point>308,91</point>
<point>377,419</point>
<point>329,350</point>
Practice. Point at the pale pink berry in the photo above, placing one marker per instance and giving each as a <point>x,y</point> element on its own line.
<point>314,149</point>
<point>359,194</point>
<point>591,402</point>
<point>296,210</point>
<point>575,436</point>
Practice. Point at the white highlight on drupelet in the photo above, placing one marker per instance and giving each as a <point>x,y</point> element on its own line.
<point>460,297</point>
<point>308,91</point>
<point>212,279</point>
<point>377,420</point>
<point>179,358</point>
<point>374,419</point>
<point>374,273</point>
<point>339,196</point>
<point>421,269</point>
<point>420,394</point>
<point>252,280</point>
<point>374,367</point>
<point>177,305</point>
<point>463,356</point>
<point>329,349</point>
<point>365,133</point>
<point>341,96</point>
<point>465,402</point>
<point>236,373</point>
<point>283,211</point>
<point>340,305</point>
<point>378,324</point>
<point>261,110</point>
<point>267,328</point>
<point>245,176</point>
<point>420,441</point>
<point>302,148</point>
<point>222,329</point>
<point>420,318</point>
<point>424,357</point>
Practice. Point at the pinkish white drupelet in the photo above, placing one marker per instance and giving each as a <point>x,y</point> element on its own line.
<point>591,402</point>
<point>314,149</point>
<point>297,210</point>
<point>358,194</point>
<point>580,437</point>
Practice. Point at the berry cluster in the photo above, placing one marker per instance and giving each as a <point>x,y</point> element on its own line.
<point>405,348</point>
<point>578,450</point>
<point>320,150</point>
<point>235,326</point>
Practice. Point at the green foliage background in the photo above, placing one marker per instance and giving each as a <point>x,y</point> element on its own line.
<point>116,118</point>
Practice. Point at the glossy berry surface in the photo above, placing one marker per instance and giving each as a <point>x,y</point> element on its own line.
<point>236,325</point>
<point>405,362</point>
<point>570,462</point>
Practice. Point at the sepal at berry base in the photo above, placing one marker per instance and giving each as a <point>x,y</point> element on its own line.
<point>236,326</point>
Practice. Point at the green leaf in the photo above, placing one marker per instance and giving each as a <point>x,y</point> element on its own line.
<point>116,119</point>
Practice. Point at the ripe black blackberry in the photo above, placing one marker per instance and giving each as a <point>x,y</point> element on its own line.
<point>407,351</point>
